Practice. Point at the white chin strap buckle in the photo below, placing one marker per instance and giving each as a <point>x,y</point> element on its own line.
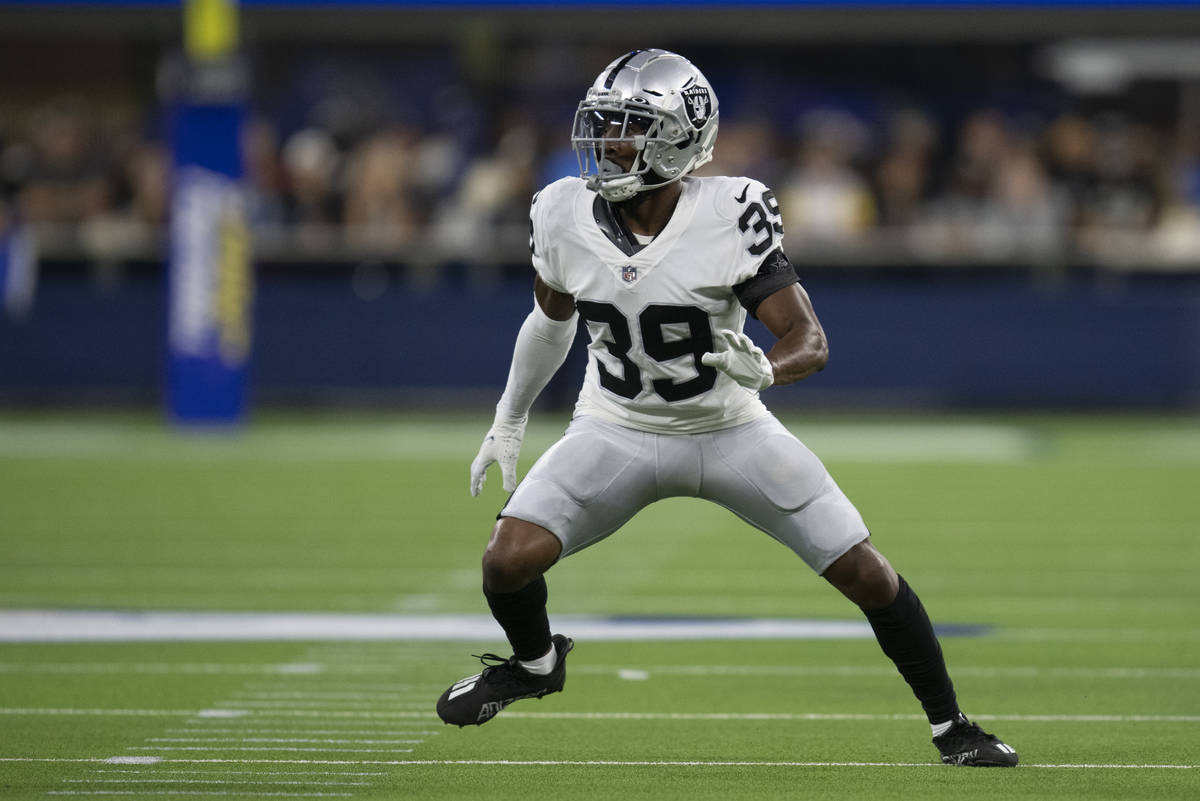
<point>614,190</point>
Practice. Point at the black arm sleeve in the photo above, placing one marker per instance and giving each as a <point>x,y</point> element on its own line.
<point>775,273</point>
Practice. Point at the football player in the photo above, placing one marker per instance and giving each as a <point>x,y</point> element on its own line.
<point>663,268</point>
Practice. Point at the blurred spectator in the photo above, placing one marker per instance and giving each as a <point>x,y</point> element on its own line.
<point>264,173</point>
<point>1123,201</point>
<point>913,183</point>
<point>1177,236</point>
<point>824,201</point>
<point>379,213</point>
<point>902,179</point>
<point>66,177</point>
<point>1025,217</point>
<point>312,165</point>
<point>492,198</point>
<point>960,221</point>
<point>1070,160</point>
<point>147,171</point>
<point>746,148</point>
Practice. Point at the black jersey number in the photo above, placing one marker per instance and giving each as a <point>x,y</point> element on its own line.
<point>619,341</point>
<point>652,321</point>
<point>763,219</point>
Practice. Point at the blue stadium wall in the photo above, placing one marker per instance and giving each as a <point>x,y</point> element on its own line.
<point>939,340</point>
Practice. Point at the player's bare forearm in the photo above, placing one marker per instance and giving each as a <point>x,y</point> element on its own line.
<point>801,349</point>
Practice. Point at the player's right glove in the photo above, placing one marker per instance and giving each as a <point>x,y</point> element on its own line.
<point>737,356</point>
<point>502,444</point>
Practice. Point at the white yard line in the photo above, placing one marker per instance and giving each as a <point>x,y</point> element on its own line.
<point>205,668</point>
<point>264,748</point>
<point>327,695</point>
<point>117,712</point>
<point>735,764</point>
<point>322,671</point>
<point>317,705</point>
<point>240,793</point>
<point>360,717</point>
<point>302,730</point>
<point>901,441</point>
<point>781,716</point>
<point>223,772</point>
<point>636,763</point>
<point>73,625</point>
<point>321,741</point>
<point>69,625</point>
<point>269,717</point>
<point>792,716</point>
<point>888,671</point>
<point>412,703</point>
<point>228,782</point>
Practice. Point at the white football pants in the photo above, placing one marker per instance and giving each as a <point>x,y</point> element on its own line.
<point>599,475</point>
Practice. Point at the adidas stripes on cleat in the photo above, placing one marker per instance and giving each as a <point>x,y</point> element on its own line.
<point>477,699</point>
<point>968,745</point>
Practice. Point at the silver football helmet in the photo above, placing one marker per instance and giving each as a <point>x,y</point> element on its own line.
<point>656,101</point>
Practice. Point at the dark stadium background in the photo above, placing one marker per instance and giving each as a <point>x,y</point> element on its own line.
<point>1015,192</point>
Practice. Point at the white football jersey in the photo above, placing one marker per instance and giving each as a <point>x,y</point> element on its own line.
<point>653,314</point>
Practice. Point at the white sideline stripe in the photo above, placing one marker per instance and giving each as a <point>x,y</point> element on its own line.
<point>302,730</point>
<point>276,717</point>
<point>210,772</point>
<point>301,694</point>
<point>1010,671</point>
<point>319,705</point>
<point>904,441</point>
<point>119,712</point>
<point>229,782</point>
<point>785,716</point>
<point>888,671</point>
<point>200,792</point>
<point>323,740</point>
<point>56,625</point>
<point>661,715</point>
<point>271,748</point>
<point>350,685</point>
<point>286,669</point>
<point>734,764</point>
<point>616,763</point>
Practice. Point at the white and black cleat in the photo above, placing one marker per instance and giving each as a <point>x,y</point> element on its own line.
<point>477,699</point>
<point>967,745</point>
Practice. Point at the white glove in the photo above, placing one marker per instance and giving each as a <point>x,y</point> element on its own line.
<point>737,356</point>
<point>502,444</point>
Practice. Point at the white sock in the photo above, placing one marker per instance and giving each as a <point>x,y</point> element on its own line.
<point>941,728</point>
<point>542,666</point>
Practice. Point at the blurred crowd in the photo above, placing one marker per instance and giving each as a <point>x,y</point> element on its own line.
<point>987,186</point>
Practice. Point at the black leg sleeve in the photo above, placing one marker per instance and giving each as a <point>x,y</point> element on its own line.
<point>522,615</point>
<point>906,636</point>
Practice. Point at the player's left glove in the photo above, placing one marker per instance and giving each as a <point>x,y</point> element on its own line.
<point>737,356</point>
<point>502,444</point>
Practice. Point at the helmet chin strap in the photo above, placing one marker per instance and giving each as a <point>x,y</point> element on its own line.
<point>614,190</point>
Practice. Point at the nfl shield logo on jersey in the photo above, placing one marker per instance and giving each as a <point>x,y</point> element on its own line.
<point>629,273</point>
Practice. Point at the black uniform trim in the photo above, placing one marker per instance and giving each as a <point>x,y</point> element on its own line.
<point>775,273</point>
<point>612,76</point>
<point>614,227</point>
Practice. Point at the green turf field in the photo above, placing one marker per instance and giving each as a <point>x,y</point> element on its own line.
<point>1074,538</point>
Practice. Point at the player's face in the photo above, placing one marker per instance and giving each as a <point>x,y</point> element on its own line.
<point>619,150</point>
<point>620,133</point>
<point>620,138</point>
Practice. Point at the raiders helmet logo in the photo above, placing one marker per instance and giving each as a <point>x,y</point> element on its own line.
<point>697,102</point>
